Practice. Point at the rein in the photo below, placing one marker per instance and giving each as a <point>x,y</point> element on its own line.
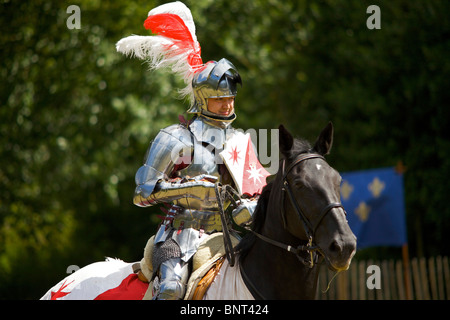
<point>309,247</point>
<point>226,193</point>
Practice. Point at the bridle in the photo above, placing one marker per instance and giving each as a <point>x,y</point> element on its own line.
<point>310,228</point>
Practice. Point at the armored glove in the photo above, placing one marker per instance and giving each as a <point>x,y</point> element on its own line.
<point>242,215</point>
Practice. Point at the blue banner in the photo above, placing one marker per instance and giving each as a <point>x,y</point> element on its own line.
<point>375,207</point>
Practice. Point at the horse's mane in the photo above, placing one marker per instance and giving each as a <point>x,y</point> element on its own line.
<point>259,216</point>
<point>261,208</point>
<point>299,146</point>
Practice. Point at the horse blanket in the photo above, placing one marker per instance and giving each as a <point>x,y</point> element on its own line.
<point>112,279</point>
<point>115,279</point>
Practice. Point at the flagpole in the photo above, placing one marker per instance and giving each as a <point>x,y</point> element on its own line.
<point>406,275</point>
<point>400,168</point>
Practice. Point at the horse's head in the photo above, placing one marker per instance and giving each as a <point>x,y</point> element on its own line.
<point>312,205</point>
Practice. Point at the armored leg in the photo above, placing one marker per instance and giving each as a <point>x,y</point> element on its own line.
<point>173,278</point>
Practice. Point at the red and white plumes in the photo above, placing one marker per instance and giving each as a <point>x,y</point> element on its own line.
<point>173,43</point>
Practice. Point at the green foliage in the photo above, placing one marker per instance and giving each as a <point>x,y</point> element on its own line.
<point>76,117</point>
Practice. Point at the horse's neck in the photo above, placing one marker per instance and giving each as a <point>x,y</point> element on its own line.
<point>274,272</point>
<point>284,275</point>
<point>278,274</point>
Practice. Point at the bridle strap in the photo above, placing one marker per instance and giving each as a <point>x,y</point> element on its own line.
<point>281,245</point>
<point>309,230</point>
<point>325,211</point>
<point>309,248</point>
<point>301,158</point>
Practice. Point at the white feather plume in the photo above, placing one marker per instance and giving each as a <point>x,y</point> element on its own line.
<point>161,51</point>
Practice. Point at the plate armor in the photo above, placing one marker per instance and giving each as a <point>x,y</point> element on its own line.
<point>183,164</point>
<point>181,168</point>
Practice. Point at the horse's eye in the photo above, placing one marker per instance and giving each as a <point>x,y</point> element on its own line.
<point>298,184</point>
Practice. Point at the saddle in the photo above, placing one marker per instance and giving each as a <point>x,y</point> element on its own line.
<point>206,264</point>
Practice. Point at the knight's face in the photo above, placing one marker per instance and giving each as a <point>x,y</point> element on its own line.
<point>223,106</point>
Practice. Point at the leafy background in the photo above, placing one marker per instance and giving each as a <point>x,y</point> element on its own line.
<point>76,117</point>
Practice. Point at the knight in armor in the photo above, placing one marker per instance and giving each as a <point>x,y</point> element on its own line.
<point>182,166</point>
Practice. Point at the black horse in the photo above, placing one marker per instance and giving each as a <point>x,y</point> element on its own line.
<point>298,223</point>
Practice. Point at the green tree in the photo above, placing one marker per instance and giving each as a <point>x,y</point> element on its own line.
<point>76,117</point>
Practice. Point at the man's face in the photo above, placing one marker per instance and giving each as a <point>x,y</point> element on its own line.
<point>221,106</point>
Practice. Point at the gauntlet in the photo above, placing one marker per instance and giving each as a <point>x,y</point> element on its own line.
<point>243,214</point>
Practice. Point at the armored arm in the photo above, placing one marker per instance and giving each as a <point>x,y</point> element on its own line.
<point>157,182</point>
<point>196,193</point>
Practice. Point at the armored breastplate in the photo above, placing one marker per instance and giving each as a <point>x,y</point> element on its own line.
<point>202,162</point>
<point>208,141</point>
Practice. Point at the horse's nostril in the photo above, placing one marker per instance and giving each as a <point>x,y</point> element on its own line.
<point>335,247</point>
<point>342,248</point>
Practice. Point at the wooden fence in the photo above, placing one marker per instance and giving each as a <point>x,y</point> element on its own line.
<point>420,279</point>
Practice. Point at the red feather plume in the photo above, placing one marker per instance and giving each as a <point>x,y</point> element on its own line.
<point>173,27</point>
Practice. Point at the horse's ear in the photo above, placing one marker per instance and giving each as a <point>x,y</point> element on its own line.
<point>325,140</point>
<point>285,139</point>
